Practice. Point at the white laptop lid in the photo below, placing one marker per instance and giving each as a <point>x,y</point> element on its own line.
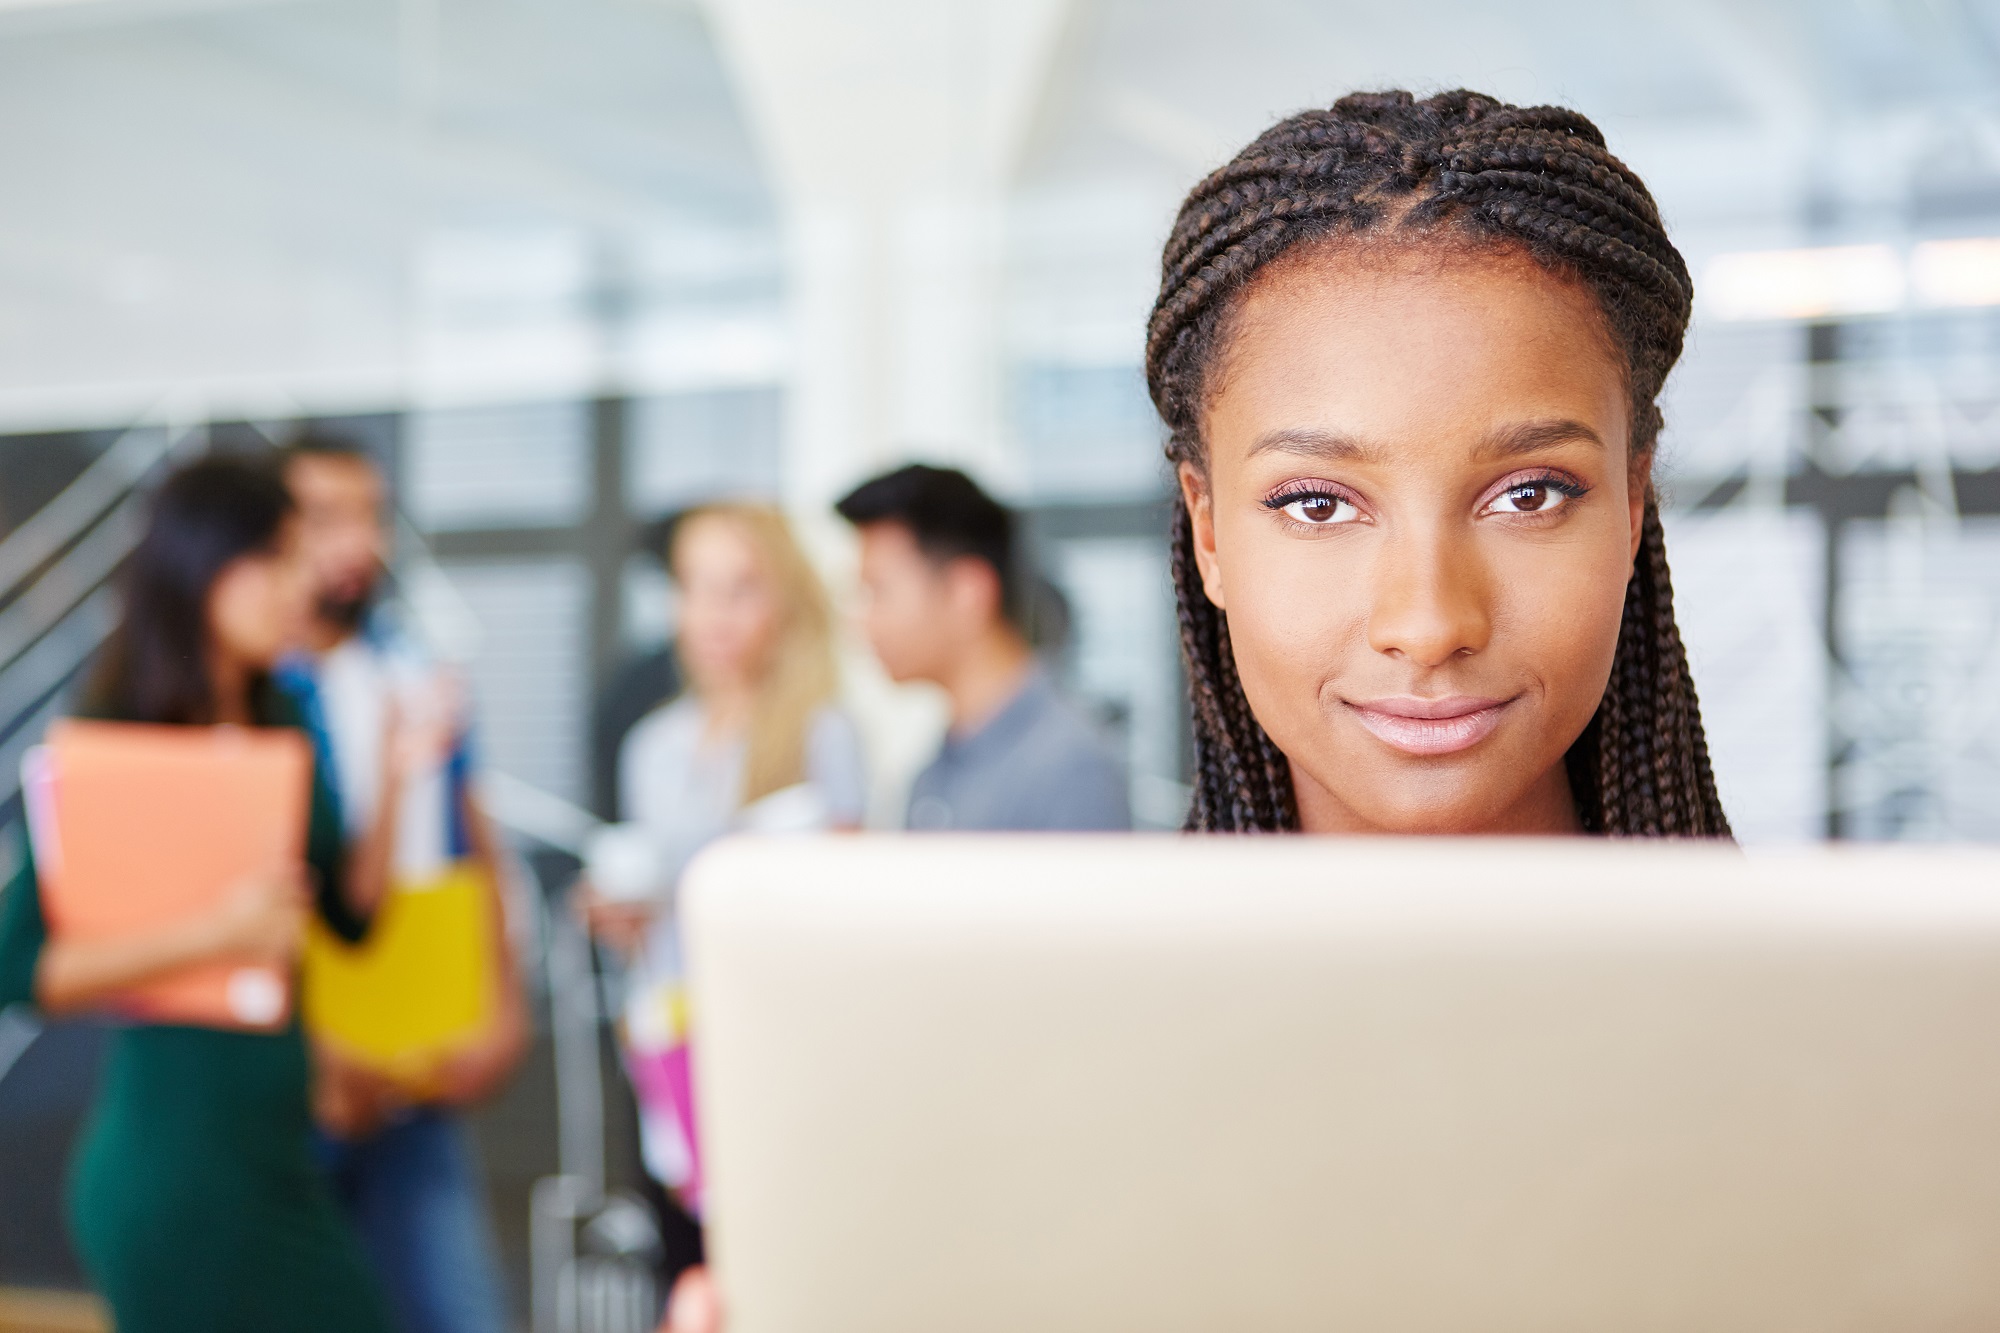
<point>1287,1083</point>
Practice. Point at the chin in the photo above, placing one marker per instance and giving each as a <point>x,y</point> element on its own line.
<point>903,673</point>
<point>1435,823</point>
<point>1425,798</point>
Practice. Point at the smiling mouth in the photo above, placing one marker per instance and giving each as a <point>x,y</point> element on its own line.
<point>1427,727</point>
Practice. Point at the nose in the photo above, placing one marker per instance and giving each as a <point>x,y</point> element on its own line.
<point>1430,601</point>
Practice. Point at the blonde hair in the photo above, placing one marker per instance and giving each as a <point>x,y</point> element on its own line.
<point>799,676</point>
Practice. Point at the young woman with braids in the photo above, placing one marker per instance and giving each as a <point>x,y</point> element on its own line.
<point>1408,353</point>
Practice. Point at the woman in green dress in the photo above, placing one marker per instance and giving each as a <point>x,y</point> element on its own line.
<point>194,1201</point>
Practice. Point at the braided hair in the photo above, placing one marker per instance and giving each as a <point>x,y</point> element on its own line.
<point>1466,167</point>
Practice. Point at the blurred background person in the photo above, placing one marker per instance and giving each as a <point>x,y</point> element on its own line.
<point>944,598</point>
<point>405,1172</point>
<point>194,1200</point>
<point>757,742</point>
<point>757,738</point>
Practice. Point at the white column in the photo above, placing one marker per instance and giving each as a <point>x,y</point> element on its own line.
<point>891,128</point>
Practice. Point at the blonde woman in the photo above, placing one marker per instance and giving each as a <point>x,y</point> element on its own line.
<point>756,739</point>
<point>755,743</point>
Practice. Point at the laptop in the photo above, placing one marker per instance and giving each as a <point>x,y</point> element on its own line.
<point>1163,1084</point>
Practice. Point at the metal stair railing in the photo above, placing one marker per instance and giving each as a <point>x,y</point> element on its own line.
<point>56,608</point>
<point>54,575</point>
<point>590,1249</point>
<point>110,478</point>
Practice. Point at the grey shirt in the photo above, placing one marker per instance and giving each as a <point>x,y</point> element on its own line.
<point>1036,764</point>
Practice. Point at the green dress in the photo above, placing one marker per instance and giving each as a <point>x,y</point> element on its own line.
<point>194,1199</point>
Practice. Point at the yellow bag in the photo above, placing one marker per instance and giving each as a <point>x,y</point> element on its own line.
<point>419,988</point>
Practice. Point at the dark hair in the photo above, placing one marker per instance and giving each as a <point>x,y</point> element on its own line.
<point>209,513</point>
<point>1455,168</point>
<point>948,515</point>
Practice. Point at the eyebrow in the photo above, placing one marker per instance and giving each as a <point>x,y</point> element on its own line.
<point>1533,436</point>
<point>1324,445</point>
<point>1509,442</point>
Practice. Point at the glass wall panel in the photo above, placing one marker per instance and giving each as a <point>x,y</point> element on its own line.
<point>1917,712</point>
<point>1122,661</point>
<point>530,675</point>
<point>511,466</point>
<point>690,447</point>
<point>1748,587</point>
<point>1088,431</point>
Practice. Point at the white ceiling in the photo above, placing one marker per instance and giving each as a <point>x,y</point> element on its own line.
<point>1757,123</point>
<point>287,198</point>
<point>256,194</point>
<point>1735,110</point>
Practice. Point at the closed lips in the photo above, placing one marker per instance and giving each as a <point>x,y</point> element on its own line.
<point>1430,726</point>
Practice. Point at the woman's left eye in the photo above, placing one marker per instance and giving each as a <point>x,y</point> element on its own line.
<point>1539,496</point>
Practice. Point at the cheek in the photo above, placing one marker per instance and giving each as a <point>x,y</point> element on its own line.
<point>899,612</point>
<point>295,597</point>
<point>1557,612</point>
<point>734,631</point>
<point>760,625</point>
<point>274,606</point>
<point>248,613</point>
<point>1296,608</point>
<point>736,620</point>
<point>234,606</point>
<point>699,628</point>
<point>279,604</point>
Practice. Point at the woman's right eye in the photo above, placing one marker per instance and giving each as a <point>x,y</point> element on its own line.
<point>1317,509</point>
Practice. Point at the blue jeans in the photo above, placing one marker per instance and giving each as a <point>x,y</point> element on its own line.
<point>413,1193</point>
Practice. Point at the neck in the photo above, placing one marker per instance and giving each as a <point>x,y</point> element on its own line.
<point>987,677</point>
<point>727,706</point>
<point>1545,809</point>
<point>229,678</point>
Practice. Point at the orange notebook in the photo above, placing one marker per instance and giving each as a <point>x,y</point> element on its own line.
<point>137,827</point>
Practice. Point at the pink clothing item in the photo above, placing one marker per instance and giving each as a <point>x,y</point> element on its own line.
<point>664,1081</point>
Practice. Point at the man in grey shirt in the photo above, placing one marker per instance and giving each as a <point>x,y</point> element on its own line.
<point>939,571</point>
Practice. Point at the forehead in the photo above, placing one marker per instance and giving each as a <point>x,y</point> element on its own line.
<point>887,539</point>
<point>1384,343</point>
<point>714,539</point>
<point>319,477</point>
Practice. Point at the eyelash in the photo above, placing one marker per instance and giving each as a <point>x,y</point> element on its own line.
<point>1564,486</point>
<point>1290,496</point>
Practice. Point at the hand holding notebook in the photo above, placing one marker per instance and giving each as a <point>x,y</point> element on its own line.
<point>263,918</point>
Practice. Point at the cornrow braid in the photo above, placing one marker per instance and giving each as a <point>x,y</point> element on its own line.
<point>1539,178</point>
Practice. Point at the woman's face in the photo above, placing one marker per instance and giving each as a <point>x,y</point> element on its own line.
<point>258,604</point>
<point>729,609</point>
<point>1419,517</point>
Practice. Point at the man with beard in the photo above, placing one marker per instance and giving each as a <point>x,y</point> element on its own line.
<point>392,728</point>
